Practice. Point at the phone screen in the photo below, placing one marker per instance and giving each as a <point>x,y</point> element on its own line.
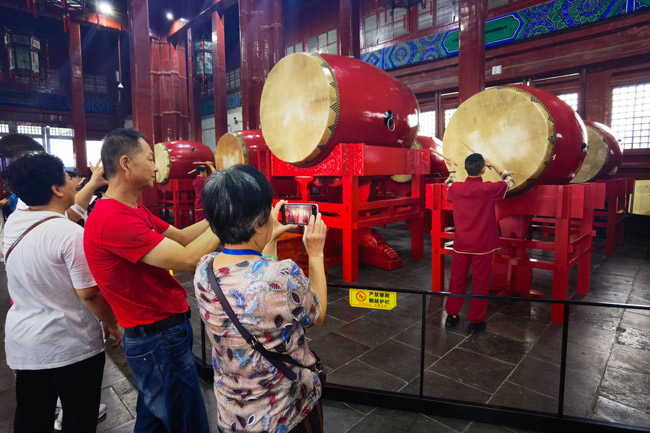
<point>298,213</point>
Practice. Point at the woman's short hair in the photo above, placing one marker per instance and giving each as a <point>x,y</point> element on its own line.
<point>118,142</point>
<point>235,200</point>
<point>474,164</point>
<point>31,177</point>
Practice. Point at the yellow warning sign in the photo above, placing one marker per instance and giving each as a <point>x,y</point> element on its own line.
<point>373,299</point>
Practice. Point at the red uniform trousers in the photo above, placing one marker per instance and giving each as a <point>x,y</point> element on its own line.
<point>481,270</point>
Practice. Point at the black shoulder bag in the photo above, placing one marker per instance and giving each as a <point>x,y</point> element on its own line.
<point>279,360</point>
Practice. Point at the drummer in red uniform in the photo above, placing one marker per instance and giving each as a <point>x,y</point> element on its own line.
<point>476,237</point>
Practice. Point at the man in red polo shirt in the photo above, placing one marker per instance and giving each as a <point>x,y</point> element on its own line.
<point>476,238</point>
<point>129,252</point>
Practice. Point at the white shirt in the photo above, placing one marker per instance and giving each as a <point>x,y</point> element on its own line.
<point>48,326</point>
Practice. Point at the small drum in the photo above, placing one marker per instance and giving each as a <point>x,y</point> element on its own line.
<point>522,129</point>
<point>438,166</point>
<point>604,156</point>
<point>312,102</point>
<point>176,159</point>
<point>241,147</point>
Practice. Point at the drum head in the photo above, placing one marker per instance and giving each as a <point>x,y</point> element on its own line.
<point>596,158</point>
<point>161,155</point>
<point>299,108</point>
<point>231,150</point>
<point>406,178</point>
<point>507,125</point>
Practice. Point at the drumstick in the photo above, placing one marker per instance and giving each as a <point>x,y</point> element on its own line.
<point>191,171</point>
<point>440,154</point>
<point>491,166</point>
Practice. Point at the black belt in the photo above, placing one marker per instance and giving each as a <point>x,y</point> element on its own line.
<point>161,325</point>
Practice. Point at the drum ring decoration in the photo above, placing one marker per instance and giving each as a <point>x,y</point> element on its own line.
<point>389,120</point>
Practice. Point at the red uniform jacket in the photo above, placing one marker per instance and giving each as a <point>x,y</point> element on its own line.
<point>474,214</point>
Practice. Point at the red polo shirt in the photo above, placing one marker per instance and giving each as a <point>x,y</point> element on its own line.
<point>116,237</point>
<point>474,214</point>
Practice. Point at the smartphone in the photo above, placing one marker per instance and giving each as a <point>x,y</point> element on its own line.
<point>298,213</point>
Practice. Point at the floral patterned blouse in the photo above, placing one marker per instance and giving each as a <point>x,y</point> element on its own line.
<point>273,301</point>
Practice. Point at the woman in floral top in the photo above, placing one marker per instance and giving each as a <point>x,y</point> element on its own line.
<point>272,299</point>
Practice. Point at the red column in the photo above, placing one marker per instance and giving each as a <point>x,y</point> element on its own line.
<point>196,131</point>
<point>141,94</point>
<point>77,110</point>
<point>471,53</point>
<point>219,75</point>
<point>349,28</point>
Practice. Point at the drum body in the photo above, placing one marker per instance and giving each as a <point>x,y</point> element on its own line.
<point>241,147</point>
<point>604,156</point>
<point>176,159</point>
<point>312,102</point>
<point>522,129</point>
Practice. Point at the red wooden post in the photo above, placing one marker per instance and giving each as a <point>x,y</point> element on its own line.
<point>219,74</point>
<point>561,253</point>
<point>417,225</point>
<point>471,53</point>
<point>194,96</point>
<point>434,202</point>
<point>350,215</point>
<point>141,94</point>
<point>77,111</point>
<point>349,28</point>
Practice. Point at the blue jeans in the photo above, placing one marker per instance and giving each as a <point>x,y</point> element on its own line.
<point>170,398</point>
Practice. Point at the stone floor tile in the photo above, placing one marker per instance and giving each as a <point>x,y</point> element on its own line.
<point>630,359</point>
<point>634,338</point>
<point>128,394</point>
<point>116,413</point>
<point>497,346</point>
<point>438,341</point>
<point>124,428</point>
<point>515,396</point>
<point>628,388</point>
<point>329,324</point>
<point>393,421</point>
<point>342,310</point>
<point>339,417</point>
<point>7,409</point>
<point>613,411</point>
<point>479,427</point>
<point>336,350</point>
<point>534,311</point>
<point>475,370</point>
<point>7,378</point>
<point>640,297</point>
<point>369,331</point>
<point>400,317</point>
<point>434,303</point>
<point>357,373</point>
<point>439,386</point>
<point>398,359</point>
<point>515,328</point>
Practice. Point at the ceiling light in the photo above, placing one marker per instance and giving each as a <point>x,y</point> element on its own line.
<point>170,16</point>
<point>105,8</point>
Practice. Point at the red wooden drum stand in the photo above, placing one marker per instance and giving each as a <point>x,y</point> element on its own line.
<point>618,193</point>
<point>178,195</point>
<point>353,164</point>
<point>570,207</point>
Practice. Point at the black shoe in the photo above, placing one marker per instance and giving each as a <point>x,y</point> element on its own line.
<point>452,321</point>
<point>475,328</point>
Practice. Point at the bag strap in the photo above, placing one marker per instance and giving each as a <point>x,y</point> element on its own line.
<point>32,227</point>
<point>277,359</point>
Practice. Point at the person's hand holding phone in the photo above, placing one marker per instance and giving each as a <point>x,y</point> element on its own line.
<point>314,236</point>
<point>278,228</point>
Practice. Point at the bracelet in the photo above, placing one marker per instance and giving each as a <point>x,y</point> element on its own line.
<point>454,171</point>
<point>270,256</point>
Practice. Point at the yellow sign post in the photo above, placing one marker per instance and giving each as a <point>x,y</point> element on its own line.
<point>376,299</point>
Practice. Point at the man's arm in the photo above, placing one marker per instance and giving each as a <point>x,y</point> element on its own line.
<point>170,254</point>
<point>84,196</point>
<point>93,299</point>
<point>188,234</point>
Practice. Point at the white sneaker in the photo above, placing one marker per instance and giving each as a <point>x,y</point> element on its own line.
<point>58,423</point>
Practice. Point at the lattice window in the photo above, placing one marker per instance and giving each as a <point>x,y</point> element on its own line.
<point>428,124</point>
<point>425,16</point>
<point>93,151</point>
<point>631,115</point>
<point>4,128</point>
<point>324,43</point>
<point>233,80</point>
<point>30,130</point>
<point>61,132</point>
<point>446,12</point>
<point>448,113</point>
<point>296,48</point>
<point>62,147</point>
<point>381,27</point>
<point>571,99</point>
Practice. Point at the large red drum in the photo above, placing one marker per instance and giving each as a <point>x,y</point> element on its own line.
<point>312,102</point>
<point>604,156</point>
<point>241,147</point>
<point>176,159</point>
<point>526,130</point>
